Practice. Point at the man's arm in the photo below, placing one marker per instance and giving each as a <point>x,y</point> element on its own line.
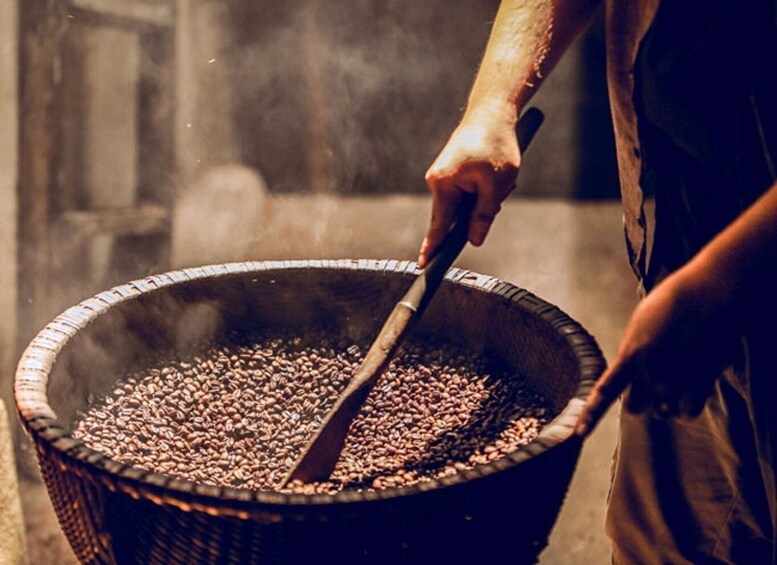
<point>482,156</point>
<point>675,343</point>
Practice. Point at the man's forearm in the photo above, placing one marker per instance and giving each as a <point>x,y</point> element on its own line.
<point>737,271</point>
<point>482,155</point>
<point>527,39</point>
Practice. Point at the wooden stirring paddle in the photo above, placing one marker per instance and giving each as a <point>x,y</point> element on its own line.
<point>320,456</point>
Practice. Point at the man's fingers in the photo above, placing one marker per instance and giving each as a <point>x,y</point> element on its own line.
<point>486,209</point>
<point>609,386</point>
<point>444,202</point>
<point>694,399</point>
<point>493,188</point>
<point>691,405</point>
<point>641,395</point>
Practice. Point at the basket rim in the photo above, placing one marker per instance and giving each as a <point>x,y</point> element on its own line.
<point>40,420</point>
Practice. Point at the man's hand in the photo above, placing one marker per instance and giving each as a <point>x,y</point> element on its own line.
<point>674,347</point>
<point>680,337</point>
<point>481,157</point>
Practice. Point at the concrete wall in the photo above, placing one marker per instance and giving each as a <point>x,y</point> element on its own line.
<point>358,97</point>
<point>8,172</point>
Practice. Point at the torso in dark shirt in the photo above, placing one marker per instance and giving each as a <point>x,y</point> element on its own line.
<point>706,98</point>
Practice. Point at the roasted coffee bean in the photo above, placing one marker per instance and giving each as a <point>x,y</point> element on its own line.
<point>240,413</point>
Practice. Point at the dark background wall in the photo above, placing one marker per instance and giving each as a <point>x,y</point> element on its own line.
<point>357,96</point>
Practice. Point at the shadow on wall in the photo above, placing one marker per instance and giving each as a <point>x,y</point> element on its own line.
<point>597,175</point>
<point>358,97</point>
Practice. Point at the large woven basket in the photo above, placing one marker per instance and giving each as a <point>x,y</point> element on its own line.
<point>112,513</point>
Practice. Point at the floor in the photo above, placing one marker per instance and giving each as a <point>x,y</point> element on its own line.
<point>570,254</point>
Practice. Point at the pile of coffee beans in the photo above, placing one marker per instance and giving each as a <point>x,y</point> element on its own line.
<point>239,414</point>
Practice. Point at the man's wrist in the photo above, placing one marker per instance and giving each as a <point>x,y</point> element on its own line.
<point>491,110</point>
<point>709,290</point>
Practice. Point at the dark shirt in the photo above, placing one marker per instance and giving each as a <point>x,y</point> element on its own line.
<point>706,101</point>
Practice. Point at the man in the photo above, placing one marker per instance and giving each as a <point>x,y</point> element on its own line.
<point>693,90</point>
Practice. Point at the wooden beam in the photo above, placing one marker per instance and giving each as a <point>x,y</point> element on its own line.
<point>145,219</point>
<point>156,13</point>
<point>320,163</point>
<point>43,25</point>
<point>156,114</point>
<point>204,135</point>
<point>9,123</point>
